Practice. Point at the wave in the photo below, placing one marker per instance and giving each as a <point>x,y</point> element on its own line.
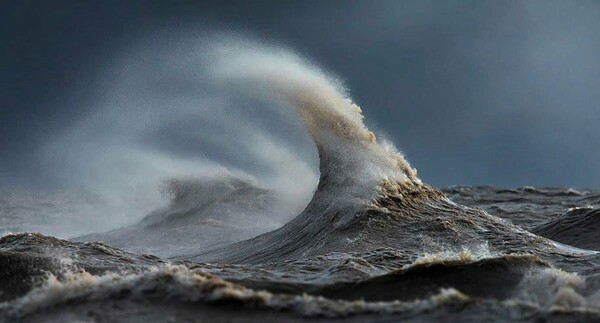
<point>94,277</point>
<point>491,278</point>
<point>352,163</point>
<point>368,195</point>
<point>27,258</point>
<point>578,227</point>
<point>528,207</point>
<point>373,239</point>
<point>181,284</point>
<point>202,213</point>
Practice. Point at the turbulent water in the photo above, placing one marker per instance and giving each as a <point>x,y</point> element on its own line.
<point>374,243</point>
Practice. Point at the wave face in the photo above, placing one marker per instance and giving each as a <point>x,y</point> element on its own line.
<point>368,195</point>
<point>374,242</point>
<point>578,227</point>
<point>206,213</point>
<point>352,163</point>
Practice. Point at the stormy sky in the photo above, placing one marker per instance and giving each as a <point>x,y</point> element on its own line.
<point>473,92</point>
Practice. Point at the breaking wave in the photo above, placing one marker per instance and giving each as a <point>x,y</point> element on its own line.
<point>370,238</point>
<point>353,164</point>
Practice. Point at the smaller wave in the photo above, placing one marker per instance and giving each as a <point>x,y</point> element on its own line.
<point>27,258</point>
<point>550,287</point>
<point>227,201</point>
<point>89,277</point>
<point>491,278</point>
<point>190,289</point>
<point>202,214</point>
<point>578,227</point>
<point>180,283</point>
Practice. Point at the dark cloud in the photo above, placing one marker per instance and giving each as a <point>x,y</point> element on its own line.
<point>481,92</point>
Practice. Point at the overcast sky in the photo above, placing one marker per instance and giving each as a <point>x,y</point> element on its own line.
<point>474,92</point>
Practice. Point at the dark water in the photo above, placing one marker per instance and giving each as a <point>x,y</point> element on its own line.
<point>419,258</point>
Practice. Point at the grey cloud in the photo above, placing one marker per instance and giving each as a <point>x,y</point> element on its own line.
<point>474,92</point>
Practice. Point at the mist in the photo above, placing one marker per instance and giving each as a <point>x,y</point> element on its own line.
<point>472,92</point>
<point>164,116</point>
